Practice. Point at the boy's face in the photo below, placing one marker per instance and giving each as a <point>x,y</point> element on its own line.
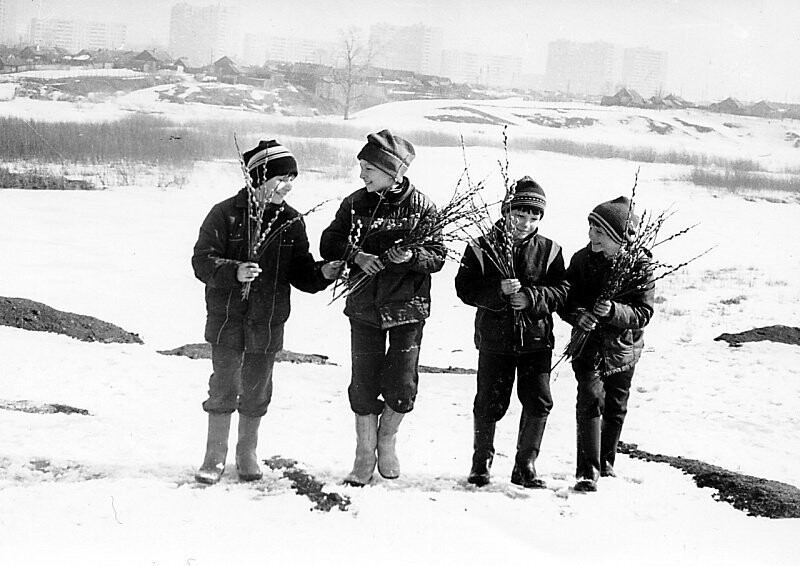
<point>375,180</point>
<point>277,187</point>
<point>601,241</point>
<point>524,222</point>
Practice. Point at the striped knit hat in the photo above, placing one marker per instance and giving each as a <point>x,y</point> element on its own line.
<point>389,153</point>
<point>616,217</point>
<point>269,159</point>
<point>527,192</point>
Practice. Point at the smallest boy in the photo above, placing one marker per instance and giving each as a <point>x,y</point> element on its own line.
<point>507,347</point>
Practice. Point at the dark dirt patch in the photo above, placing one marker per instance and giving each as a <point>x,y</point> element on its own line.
<point>775,333</point>
<point>758,497</point>
<point>660,128</point>
<point>698,127</point>
<point>40,408</point>
<point>558,121</point>
<point>305,484</point>
<point>203,352</point>
<point>448,369</point>
<point>30,315</point>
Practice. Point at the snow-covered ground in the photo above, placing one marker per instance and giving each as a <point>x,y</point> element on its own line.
<point>115,487</point>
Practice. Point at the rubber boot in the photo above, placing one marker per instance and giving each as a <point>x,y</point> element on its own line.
<point>483,452</point>
<point>213,467</point>
<point>246,459</point>
<point>366,445</point>
<point>609,440</point>
<point>388,464</point>
<point>531,431</point>
<point>587,470</point>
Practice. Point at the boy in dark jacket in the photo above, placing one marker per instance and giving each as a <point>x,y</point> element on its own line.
<point>246,333</point>
<point>605,365</point>
<point>507,346</point>
<point>393,304</point>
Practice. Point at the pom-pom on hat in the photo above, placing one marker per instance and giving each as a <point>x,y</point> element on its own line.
<point>269,159</point>
<point>617,218</point>
<point>389,153</point>
<point>527,192</point>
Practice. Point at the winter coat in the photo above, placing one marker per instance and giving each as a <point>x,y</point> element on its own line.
<point>400,293</point>
<point>540,270</point>
<point>615,345</point>
<point>254,324</point>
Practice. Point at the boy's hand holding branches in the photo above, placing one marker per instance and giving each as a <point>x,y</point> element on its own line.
<point>517,298</point>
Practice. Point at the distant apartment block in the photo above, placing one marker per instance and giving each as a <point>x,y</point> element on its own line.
<point>481,68</point>
<point>8,21</point>
<point>416,48</point>
<point>645,71</point>
<point>259,48</point>
<point>583,68</point>
<point>203,34</point>
<point>75,35</point>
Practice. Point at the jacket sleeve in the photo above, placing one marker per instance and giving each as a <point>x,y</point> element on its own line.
<point>548,298</point>
<point>570,309</point>
<point>636,310</point>
<point>208,261</point>
<point>476,288</point>
<point>304,273</point>
<point>333,242</point>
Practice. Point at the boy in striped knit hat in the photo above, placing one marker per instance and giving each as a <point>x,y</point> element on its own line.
<point>507,349</point>
<point>247,332</point>
<point>604,367</point>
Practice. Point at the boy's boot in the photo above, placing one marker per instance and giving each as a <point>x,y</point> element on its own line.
<point>483,452</point>
<point>609,439</point>
<point>588,465</point>
<point>246,459</point>
<point>216,449</point>
<point>531,431</point>
<point>366,444</point>
<point>388,464</point>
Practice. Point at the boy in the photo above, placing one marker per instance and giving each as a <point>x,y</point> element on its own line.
<point>604,367</point>
<point>505,344</point>
<point>394,303</point>
<point>246,333</point>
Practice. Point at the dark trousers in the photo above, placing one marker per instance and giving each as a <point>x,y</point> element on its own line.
<point>377,372</point>
<point>241,381</point>
<point>496,374</point>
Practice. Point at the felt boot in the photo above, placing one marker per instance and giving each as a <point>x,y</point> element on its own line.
<point>246,459</point>
<point>483,452</point>
<point>213,467</point>
<point>388,464</point>
<point>609,440</point>
<point>366,445</point>
<point>531,431</point>
<point>587,470</point>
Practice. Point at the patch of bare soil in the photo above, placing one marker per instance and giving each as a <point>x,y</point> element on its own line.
<point>756,496</point>
<point>30,315</point>
<point>774,333</point>
<point>305,484</point>
<point>25,406</point>
<point>203,352</point>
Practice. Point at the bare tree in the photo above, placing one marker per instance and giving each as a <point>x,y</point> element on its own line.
<point>351,73</point>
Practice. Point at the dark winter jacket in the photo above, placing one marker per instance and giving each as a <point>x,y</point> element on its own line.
<point>400,293</point>
<point>540,270</point>
<point>254,324</point>
<point>616,343</point>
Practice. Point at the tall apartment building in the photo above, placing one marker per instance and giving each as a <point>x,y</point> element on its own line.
<point>8,21</point>
<point>74,35</point>
<point>583,68</point>
<point>481,68</point>
<point>259,48</point>
<point>203,34</point>
<point>644,70</point>
<point>416,48</point>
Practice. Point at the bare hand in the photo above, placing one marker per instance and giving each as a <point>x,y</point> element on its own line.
<point>332,269</point>
<point>602,308</point>
<point>398,255</point>
<point>369,264</point>
<point>510,286</point>
<point>247,271</point>
<point>519,301</point>
<point>587,321</point>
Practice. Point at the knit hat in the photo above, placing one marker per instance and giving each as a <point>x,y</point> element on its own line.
<point>389,153</point>
<point>612,215</point>
<point>269,159</point>
<point>527,192</point>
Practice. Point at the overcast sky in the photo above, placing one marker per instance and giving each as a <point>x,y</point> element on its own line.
<point>717,48</point>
